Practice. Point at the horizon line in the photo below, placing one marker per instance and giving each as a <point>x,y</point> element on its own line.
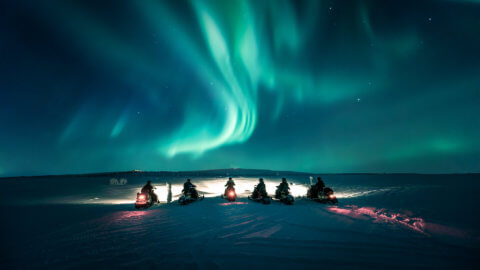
<point>225,169</point>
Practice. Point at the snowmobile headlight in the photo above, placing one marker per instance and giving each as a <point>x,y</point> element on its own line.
<point>331,196</point>
<point>231,194</point>
<point>141,197</point>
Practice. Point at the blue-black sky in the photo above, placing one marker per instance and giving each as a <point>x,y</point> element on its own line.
<point>320,86</point>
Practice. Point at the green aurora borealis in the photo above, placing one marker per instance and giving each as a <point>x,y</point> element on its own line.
<point>320,86</point>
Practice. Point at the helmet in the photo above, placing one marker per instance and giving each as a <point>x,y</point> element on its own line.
<point>284,179</point>
<point>149,181</point>
<point>229,178</point>
<point>261,180</point>
<point>188,180</point>
<point>319,178</point>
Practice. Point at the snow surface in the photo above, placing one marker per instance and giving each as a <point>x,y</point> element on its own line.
<point>381,221</point>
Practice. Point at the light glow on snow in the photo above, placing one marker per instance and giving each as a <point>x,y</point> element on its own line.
<point>244,187</point>
<point>354,194</point>
<point>380,216</point>
<point>215,187</point>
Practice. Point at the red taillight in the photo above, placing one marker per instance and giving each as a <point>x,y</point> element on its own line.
<point>231,194</point>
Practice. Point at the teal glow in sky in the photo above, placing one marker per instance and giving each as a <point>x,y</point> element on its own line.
<point>320,86</point>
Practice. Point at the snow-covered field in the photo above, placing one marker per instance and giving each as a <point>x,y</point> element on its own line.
<point>381,221</point>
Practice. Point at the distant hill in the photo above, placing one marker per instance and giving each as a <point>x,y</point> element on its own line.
<point>210,173</point>
<point>234,172</point>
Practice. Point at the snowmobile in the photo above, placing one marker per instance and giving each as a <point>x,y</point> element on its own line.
<point>285,197</point>
<point>230,194</point>
<point>324,196</point>
<point>144,200</point>
<point>189,196</point>
<point>257,196</point>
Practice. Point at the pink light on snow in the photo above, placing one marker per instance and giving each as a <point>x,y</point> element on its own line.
<point>382,216</point>
<point>232,203</point>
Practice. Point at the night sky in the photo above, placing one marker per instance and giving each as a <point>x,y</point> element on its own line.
<point>318,86</point>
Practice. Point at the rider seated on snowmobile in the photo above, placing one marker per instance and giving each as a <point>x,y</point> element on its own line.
<point>317,188</point>
<point>189,186</point>
<point>283,187</point>
<point>260,190</point>
<point>148,189</point>
<point>230,185</point>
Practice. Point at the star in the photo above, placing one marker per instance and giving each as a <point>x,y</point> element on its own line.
<point>358,99</point>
